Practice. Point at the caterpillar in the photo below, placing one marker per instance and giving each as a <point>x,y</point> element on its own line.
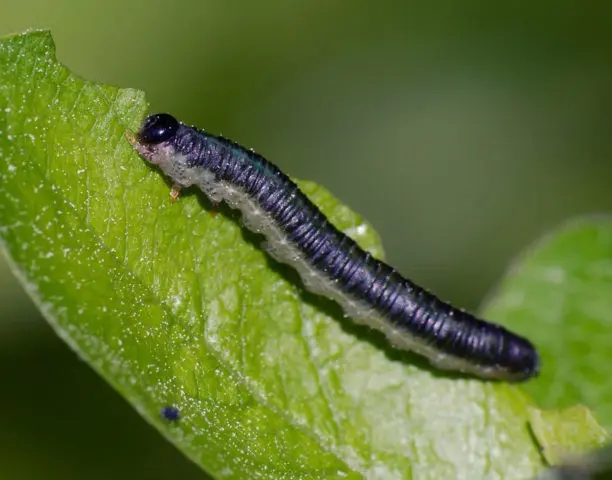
<point>330,263</point>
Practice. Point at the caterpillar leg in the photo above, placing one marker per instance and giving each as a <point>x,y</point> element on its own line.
<point>175,192</point>
<point>130,137</point>
<point>214,208</point>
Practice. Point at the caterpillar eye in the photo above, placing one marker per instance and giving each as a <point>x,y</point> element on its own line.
<point>157,128</point>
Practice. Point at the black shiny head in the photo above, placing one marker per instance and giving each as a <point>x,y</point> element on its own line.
<point>157,128</point>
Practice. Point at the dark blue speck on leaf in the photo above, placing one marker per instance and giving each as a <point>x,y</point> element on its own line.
<point>170,413</point>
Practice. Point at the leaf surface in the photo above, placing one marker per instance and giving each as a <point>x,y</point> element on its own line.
<point>561,289</point>
<point>566,434</point>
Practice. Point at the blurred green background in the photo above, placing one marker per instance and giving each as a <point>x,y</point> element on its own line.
<point>462,131</point>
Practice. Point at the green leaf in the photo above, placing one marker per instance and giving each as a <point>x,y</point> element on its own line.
<point>596,465</point>
<point>561,290</point>
<point>567,433</point>
<point>175,306</point>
